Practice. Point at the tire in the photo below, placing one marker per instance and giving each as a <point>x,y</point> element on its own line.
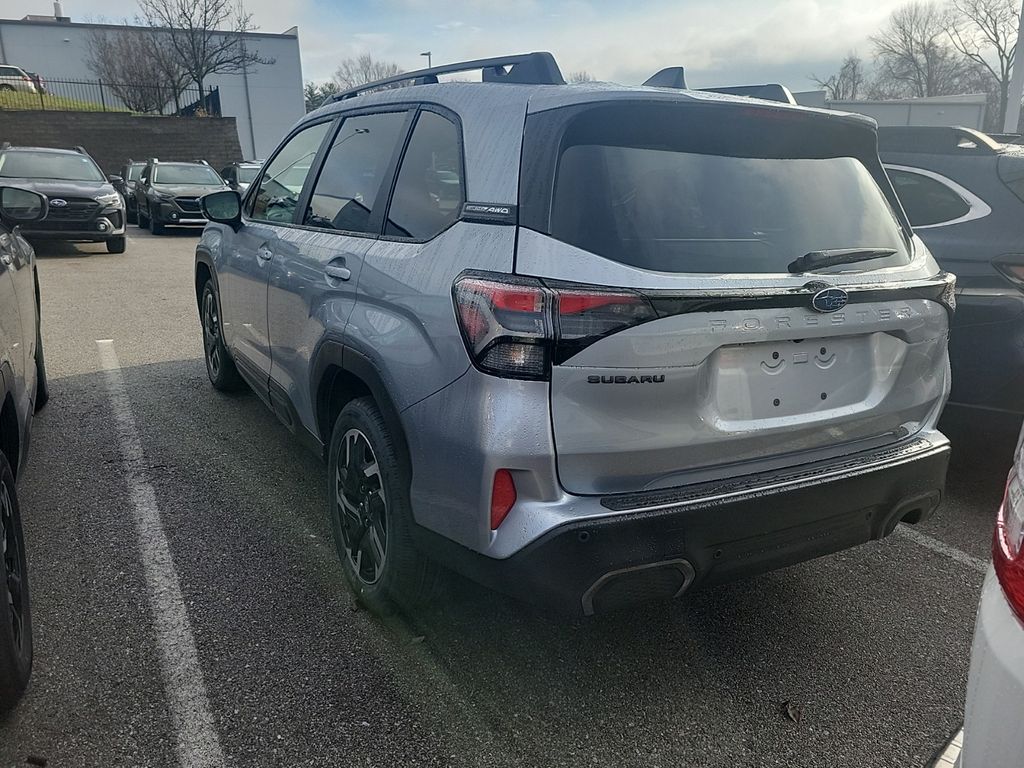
<point>42,385</point>
<point>15,610</point>
<point>116,244</point>
<point>371,515</point>
<point>154,226</point>
<point>140,217</point>
<point>131,214</point>
<point>6,87</point>
<point>220,367</point>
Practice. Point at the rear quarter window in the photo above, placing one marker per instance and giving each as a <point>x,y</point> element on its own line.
<point>927,201</point>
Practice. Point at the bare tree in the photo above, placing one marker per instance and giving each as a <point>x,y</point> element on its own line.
<point>318,93</point>
<point>206,36</point>
<point>914,56</point>
<point>363,69</point>
<point>847,83</point>
<point>581,76</point>
<point>983,31</point>
<point>135,65</point>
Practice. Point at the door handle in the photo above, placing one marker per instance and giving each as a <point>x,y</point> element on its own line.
<point>264,253</point>
<point>338,272</point>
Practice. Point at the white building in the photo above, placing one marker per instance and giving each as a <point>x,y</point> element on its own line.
<point>265,100</point>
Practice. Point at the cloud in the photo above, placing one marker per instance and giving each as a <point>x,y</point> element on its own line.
<point>743,40</point>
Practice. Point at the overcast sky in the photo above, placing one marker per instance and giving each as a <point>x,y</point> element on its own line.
<point>719,42</point>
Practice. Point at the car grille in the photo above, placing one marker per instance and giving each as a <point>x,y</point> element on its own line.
<point>77,209</point>
<point>188,204</point>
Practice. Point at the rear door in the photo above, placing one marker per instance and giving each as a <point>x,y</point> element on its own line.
<point>317,263</point>
<point>714,359</point>
<point>13,345</point>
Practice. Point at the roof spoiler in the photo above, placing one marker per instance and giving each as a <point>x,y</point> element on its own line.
<point>675,77</point>
<point>537,68</point>
<point>768,92</point>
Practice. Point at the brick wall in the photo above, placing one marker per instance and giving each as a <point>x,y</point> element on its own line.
<point>111,138</point>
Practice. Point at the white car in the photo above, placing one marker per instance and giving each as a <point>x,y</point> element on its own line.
<point>995,691</point>
<point>16,79</point>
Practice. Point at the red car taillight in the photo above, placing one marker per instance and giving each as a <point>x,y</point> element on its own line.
<point>516,327</point>
<point>1007,555</point>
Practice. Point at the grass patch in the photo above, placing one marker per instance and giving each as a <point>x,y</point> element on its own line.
<point>51,101</point>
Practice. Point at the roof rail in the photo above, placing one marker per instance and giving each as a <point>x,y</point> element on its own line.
<point>80,149</point>
<point>5,145</point>
<point>537,68</point>
<point>768,92</point>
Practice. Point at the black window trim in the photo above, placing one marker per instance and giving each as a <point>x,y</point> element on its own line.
<point>376,220</point>
<point>254,187</point>
<point>977,208</point>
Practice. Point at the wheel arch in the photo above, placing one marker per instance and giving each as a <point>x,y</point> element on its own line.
<point>10,431</point>
<point>340,374</point>
<point>204,272</point>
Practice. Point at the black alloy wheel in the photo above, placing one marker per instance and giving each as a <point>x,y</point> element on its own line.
<point>361,507</point>
<point>15,610</point>
<point>219,365</point>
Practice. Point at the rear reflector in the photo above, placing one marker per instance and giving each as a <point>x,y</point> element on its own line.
<point>1007,556</point>
<point>503,497</point>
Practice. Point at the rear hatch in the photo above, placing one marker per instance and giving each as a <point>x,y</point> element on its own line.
<point>685,348</point>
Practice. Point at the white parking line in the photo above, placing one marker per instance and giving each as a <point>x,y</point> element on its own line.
<point>198,745</point>
<point>942,548</point>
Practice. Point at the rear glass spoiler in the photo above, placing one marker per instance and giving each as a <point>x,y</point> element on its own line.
<point>675,77</point>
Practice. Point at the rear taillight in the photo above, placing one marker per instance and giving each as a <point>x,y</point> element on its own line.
<point>517,327</point>
<point>1007,556</point>
<point>1012,268</point>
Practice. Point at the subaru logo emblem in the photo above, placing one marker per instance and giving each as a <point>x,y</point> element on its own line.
<point>830,300</point>
<point>58,202</point>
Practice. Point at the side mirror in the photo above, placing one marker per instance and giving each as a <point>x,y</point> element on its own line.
<point>19,205</point>
<point>115,179</point>
<point>223,207</point>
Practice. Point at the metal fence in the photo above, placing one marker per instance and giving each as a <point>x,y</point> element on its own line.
<point>100,96</point>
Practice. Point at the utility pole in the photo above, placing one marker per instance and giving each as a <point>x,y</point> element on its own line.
<point>1016,80</point>
<point>430,63</point>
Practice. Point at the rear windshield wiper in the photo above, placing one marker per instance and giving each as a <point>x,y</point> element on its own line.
<point>828,258</point>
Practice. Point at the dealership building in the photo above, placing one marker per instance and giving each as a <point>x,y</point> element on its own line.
<point>265,99</point>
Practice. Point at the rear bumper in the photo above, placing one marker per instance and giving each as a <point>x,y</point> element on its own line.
<point>995,688</point>
<point>663,544</point>
<point>986,350</point>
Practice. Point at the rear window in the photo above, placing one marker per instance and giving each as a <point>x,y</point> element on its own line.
<point>717,190</point>
<point>247,174</point>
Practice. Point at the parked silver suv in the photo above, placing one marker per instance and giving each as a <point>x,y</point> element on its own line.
<point>588,344</point>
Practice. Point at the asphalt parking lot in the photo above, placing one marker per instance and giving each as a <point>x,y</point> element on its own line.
<point>869,647</point>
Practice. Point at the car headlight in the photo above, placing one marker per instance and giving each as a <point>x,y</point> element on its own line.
<point>112,199</point>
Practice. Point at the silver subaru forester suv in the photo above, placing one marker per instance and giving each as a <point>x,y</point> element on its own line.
<point>588,344</point>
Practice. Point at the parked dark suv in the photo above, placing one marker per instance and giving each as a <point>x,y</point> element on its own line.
<point>590,344</point>
<point>124,183</point>
<point>964,195</point>
<point>167,194</point>
<point>84,206</point>
<point>22,391</point>
<point>239,176</point>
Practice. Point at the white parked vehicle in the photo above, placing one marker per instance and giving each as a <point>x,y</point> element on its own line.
<point>995,691</point>
<point>16,79</point>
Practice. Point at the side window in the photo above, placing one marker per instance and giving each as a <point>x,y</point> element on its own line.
<point>346,191</point>
<point>281,183</point>
<point>926,200</point>
<point>429,190</point>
